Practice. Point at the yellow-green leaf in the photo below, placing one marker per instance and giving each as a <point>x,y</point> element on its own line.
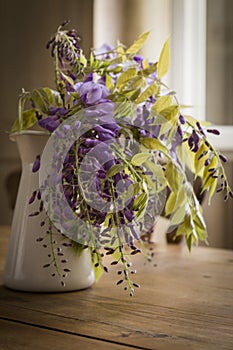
<point>28,120</point>
<point>140,201</point>
<point>67,78</point>
<point>170,112</point>
<point>173,177</point>
<point>125,76</point>
<point>98,268</point>
<point>150,69</point>
<point>145,63</point>
<point>138,43</point>
<point>207,178</point>
<point>167,126</point>
<point>186,157</point>
<point>41,100</point>
<point>120,49</point>
<point>178,216</point>
<point>170,204</point>
<point>133,96</point>
<point>212,190</point>
<point>116,60</point>
<point>54,96</point>
<point>199,220</point>
<point>136,82</point>
<point>109,82</point>
<point>150,182</point>
<point>176,200</point>
<point>153,89</point>
<point>164,59</point>
<point>140,158</point>
<point>115,169</point>
<point>82,58</point>
<point>162,103</point>
<point>199,162</point>
<point>107,220</point>
<point>155,168</point>
<point>154,144</point>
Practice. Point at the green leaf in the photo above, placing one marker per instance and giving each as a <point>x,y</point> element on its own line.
<point>176,200</point>
<point>162,103</point>
<point>153,89</point>
<point>170,112</point>
<point>54,97</point>
<point>28,120</point>
<point>155,168</point>
<point>122,110</point>
<point>189,241</point>
<point>98,272</point>
<point>41,100</point>
<point>200,226</point>
<point>151,184</point>
<point>120,49</point>
<point>178,216</point>
<point>181,230</point>
<point>82,58</point>
<point>117,255</point>
<point>173,177</point>
<point>116,60</point>
<point>199,220</point>
<point>109,82</point>
<point>188,229</point>
<point>115,169</point>
<point>135,95</point>
<point>136,188</point>
<point>150,69</point>
<point>140,204</point>
<point>140,158</point>
<point>128,194</point>
<point>164,60</point>
<point>126,76</point>
<point>107,220</point>
<point>199,162</point>
<point>154,144</point>
<point>212,190</point>
<point>170,204</point>
<point>136,82</point>
<point>140,201</point>
<point>92,58</point>
<point>207,179</point>
<point>157,181</point>
<point>138,44</point>
<point>67,78</point>
<point>186,157</point>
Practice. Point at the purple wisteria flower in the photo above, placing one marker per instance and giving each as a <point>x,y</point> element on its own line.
<point>50,123</point>
<point>36,165</point>
<point>91,92</point>
<point>105,52</point>
<point>138,59</point>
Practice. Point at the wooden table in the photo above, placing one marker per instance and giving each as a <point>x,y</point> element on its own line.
<point>185,302</point>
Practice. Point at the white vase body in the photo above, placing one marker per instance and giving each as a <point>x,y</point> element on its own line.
<point>26,265</point>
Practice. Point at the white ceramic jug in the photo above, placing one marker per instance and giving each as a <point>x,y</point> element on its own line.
<point>30,265</point>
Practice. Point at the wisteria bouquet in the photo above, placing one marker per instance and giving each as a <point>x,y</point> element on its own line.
<point>121,150</point>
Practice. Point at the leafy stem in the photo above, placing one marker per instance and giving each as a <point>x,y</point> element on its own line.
<point>216,154</point>
<point>53,249</point>
<point>24,96</point>
<point>120,243</point>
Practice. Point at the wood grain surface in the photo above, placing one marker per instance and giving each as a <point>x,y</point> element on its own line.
<point>185,302</point>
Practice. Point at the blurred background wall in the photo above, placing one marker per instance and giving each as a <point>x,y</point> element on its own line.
<point>25,28</point>
<point>201,69</point>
